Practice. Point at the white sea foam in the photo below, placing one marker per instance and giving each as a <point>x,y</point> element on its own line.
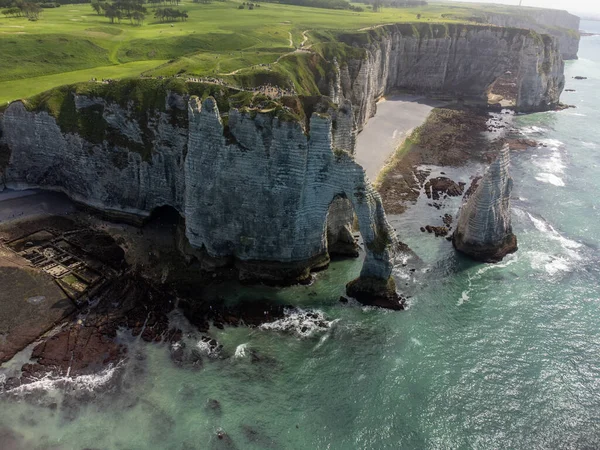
<point>207,349</point>
<point>533,130</point>
<point>463,298</point>
<point>321,342</point>
<point>554,164</point>
<point>465,295</point>
<point>240,351</point>
<point>552,143</point>
<point>82,382</point>
<point>303,323</point>
<point>550,178</point>
<point>508,260</point>
<point>549,263</point>
<point>545,227</point>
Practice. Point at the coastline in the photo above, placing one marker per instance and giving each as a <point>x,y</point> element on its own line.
<point>151,264</point>
<point>396,118</point>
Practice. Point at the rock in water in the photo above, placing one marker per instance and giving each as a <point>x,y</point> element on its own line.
<point>484,230</point>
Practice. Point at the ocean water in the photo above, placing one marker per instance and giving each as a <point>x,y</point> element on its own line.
<point>487,356</point>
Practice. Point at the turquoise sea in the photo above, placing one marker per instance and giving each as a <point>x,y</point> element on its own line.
<point>486,357</point>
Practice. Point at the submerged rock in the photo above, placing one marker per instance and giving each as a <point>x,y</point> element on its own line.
<point>484,230</point>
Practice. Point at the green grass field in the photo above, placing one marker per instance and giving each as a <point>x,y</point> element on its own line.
<point>71,43</point>
<point>26,87</point>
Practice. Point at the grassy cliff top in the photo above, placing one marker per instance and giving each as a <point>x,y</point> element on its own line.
<point>149,95</point>
<point>72,43</point>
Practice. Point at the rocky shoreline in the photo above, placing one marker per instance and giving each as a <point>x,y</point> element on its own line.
<point>454,136</point>
<point>145,281</point>
<point>150,278</point>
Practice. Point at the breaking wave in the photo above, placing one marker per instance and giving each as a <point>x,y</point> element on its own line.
<point>549,263</point>
<point>554,264</point>
<point>533,130</point>
<point>550,178</point>
<point>240,351</point>
<point>209,347</point>
<point>303,323</point>
<point>551,232</point>
<point>50,382</point>
<point>552,165</point>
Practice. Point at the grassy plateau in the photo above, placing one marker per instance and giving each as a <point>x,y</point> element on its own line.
<point>73,44</point>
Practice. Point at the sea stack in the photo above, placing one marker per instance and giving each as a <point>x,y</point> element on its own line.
<point>484,230</point>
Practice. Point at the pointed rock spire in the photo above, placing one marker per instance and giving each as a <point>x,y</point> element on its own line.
<point>484,230</point>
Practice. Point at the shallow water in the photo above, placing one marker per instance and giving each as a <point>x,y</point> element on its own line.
<point>487,356</point>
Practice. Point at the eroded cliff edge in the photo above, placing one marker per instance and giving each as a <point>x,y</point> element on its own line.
<point>255,192</point>
<point>449,60</point>
<point>559,24</point>
<point>268,187</point>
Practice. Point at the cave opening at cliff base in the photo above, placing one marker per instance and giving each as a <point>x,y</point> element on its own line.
<point>504,90</point>
<point>163,216</point>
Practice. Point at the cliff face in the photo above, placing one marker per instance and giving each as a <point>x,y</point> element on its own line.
<point>559,24</point>
<point>256,194</point>
<point>104,175</point>
<point>484,230</point>
<point>455,60</point>
<point>257,191</point>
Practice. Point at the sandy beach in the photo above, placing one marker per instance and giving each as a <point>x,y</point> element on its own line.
<point>396,117</point>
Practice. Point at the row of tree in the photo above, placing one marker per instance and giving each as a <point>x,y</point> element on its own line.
<point>170,14</point>
<point>24,9</point>
<point>164,2</point>
<point>378,4</point>
<point>132,10</point>
<point>135,12</point>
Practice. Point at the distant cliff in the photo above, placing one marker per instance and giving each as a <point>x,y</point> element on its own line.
<point>559,24</point>
<point>450,60</point>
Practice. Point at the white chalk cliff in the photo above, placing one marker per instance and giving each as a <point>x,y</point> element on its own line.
<point>484,230</point>
<point>272,194</point>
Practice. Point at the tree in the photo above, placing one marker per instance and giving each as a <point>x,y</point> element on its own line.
<point>12,12</point>
<point>170,14</point>
<point>32,10</point>
<point>111,12</point>
<point>96,7</point>
<point>133,10</point>
<point>138,17</point>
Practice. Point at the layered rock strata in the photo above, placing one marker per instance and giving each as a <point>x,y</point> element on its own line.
<point>561,25</point>
<point>258,192</point>
<point>255,194</point>
<point>452,60</point>
<point>484,230</point>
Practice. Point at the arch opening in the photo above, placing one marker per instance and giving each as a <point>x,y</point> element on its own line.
<point>341,229</point>
<point>504,91</point>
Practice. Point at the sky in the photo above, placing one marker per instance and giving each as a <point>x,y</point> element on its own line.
<point>575,6</point>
